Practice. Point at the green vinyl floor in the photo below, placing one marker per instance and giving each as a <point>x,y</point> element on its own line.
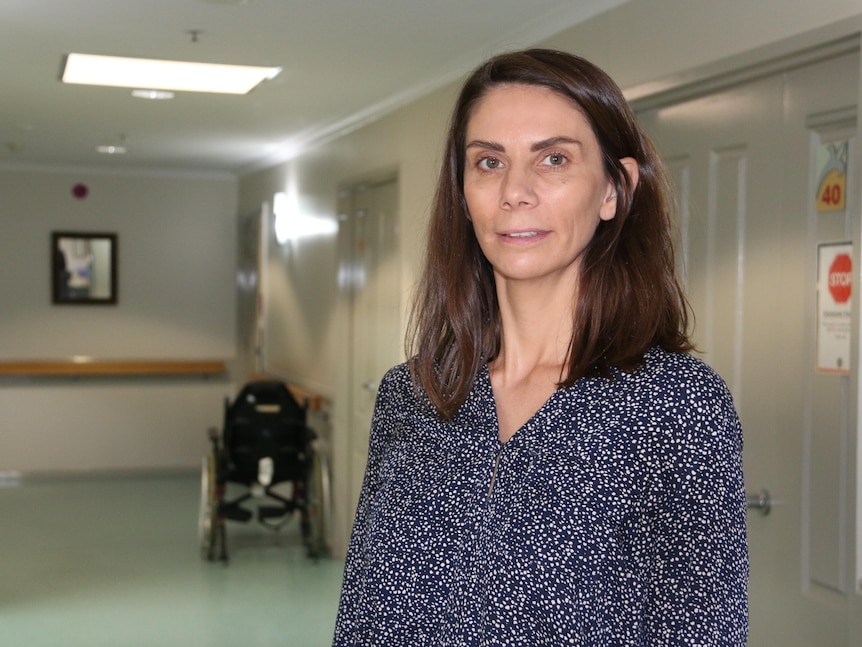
<point>115,562</point>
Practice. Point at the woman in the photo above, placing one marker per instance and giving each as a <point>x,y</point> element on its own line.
<point>551,467</point>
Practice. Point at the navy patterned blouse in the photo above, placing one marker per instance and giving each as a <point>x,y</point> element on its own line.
<point>614,516</point>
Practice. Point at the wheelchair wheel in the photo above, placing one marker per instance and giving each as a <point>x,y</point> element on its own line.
<point>207,514</point>
<point>315,531</point>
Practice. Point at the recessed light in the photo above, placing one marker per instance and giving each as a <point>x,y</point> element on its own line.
<point>111,150</point>
<point>153,95</point>
<point>118,71</point>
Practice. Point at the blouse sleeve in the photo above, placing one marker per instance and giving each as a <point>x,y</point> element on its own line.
<point>699,565</point>
<point>349,610</point>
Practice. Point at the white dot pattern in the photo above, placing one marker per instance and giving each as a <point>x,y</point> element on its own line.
<point>614,516</point>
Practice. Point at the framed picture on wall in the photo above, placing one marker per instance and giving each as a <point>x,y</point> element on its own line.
<point>83,268</point>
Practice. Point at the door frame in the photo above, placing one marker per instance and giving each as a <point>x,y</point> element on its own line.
<point>343,505</point>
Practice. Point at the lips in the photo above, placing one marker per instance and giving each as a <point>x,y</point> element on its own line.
<point>524,235</point>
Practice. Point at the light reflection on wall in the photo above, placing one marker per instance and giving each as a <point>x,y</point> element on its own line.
<point>291,224</point>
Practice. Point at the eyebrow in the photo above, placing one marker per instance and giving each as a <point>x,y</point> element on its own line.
<point>545,143</point>
<point>478,143</point>
<point>554,141</point>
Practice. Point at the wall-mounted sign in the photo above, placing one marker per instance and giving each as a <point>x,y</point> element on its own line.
<point>834,293</point>
<point>832,176</point>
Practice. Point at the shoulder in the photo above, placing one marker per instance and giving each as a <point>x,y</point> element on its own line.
<point>681,396</point>
<point>692,402</point>
<point>397,377</point>
<point>395,385</point>
<point>669,375</point>
<point>659,361</point>
<point>398,394</point>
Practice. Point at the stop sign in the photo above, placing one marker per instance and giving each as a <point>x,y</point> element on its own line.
<point>840,278</point>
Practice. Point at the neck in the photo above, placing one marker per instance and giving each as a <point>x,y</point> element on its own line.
<point>537,327</point>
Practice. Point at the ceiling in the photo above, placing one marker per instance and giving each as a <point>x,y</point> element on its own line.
<point>345,62</point>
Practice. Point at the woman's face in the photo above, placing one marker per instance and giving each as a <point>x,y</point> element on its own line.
<point>534,182</point>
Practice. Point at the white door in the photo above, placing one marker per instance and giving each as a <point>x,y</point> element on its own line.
<point>744,162</point>
<point>375,343</point>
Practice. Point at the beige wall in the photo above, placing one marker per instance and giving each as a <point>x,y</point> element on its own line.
<point>176,301</point>
<point>305,320</point>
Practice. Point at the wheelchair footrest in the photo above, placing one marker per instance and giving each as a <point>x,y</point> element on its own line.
<point>271,511</point>
<point>235,513</point>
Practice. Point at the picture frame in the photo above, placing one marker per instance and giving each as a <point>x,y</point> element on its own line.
<point>84,268</point>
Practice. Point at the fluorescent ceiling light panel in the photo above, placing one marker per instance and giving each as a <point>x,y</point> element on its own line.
<point>153,95</point>
<point>116,71</point>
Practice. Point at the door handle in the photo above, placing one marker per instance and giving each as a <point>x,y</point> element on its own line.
<point>371,386</point>
<point>760,501</point>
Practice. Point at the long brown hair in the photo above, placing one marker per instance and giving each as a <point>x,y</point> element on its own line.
<point>628,298</point>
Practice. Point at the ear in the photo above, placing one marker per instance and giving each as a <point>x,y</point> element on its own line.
<point>609,206</point>
<point>633,170</point>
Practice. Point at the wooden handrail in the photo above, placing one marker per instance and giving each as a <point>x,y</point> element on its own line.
<point>90,367</point>
<point>312,400</point>
<point>80,367</point>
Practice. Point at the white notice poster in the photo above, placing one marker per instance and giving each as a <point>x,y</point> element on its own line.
<point>834,287</point>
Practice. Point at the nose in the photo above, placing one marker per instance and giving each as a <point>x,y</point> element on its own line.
<point>517,189</point>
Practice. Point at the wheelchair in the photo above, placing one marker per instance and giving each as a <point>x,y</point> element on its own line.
<point>265,442</point>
